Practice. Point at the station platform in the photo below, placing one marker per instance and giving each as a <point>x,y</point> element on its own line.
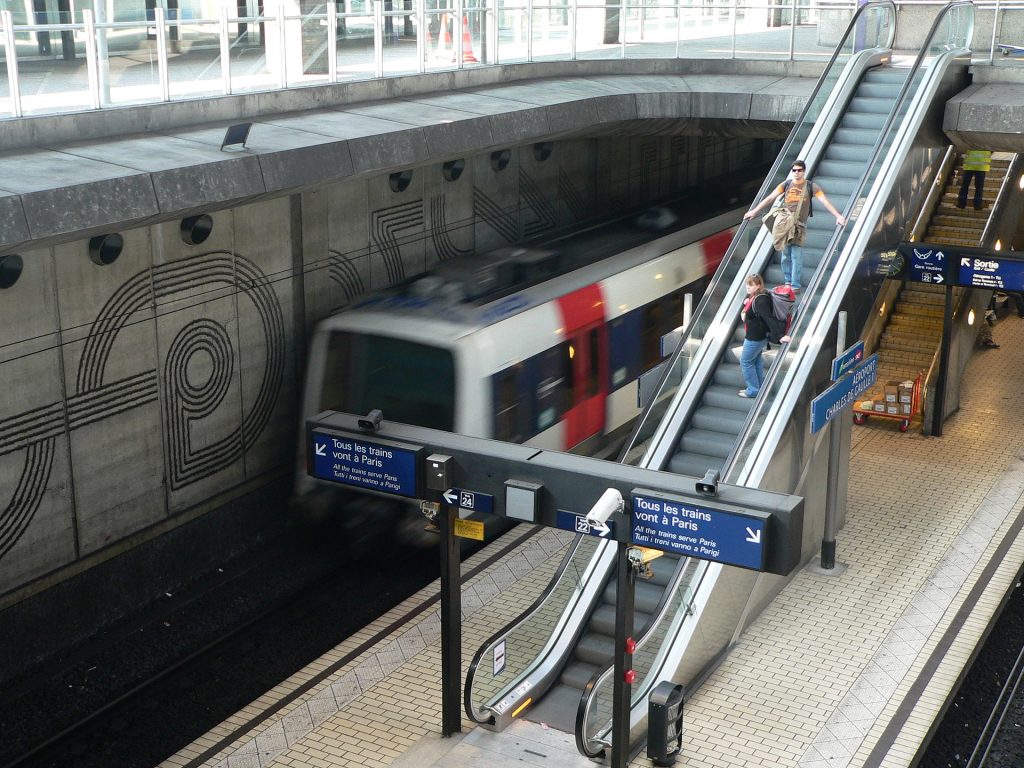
<point>849,669</point>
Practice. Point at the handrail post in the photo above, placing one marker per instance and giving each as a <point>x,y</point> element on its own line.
<point>91,63</point>
<point>792,32</point>
<point>225,53</point>
<point>529,30</point>
<point>99,37</point>
<point>332,42</point>
<point>421,36</point>
<point>160,16</point>
<point>573,14</point>
<point>679,25</point>
<point>457,32</point>
<point>12,62</point>
<point>282,42</point>
<point>378,38</point>
<point>622,28</point>
<point>995,25</point>
<point>735,18</point>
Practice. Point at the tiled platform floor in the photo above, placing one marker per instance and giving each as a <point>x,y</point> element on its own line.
<point>846,670</point>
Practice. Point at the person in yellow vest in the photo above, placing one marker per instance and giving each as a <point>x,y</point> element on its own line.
<point>977,162</point>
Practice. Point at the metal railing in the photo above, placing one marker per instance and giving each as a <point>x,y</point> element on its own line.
<point>89,62</point>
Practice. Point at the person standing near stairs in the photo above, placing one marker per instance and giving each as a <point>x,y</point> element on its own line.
<point>977,162</point>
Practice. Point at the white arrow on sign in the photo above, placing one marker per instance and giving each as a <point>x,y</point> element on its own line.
<point>321,450</point>
<point>754,537</point>
<point>601,528</point>
<point>450,496</point>
<point>938,278</point>
<point>964,262</point>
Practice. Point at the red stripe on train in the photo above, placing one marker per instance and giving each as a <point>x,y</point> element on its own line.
<point>714,249</point>
<point>583,315</point>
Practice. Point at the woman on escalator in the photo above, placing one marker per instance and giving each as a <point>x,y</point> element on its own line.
<point>756,307</point>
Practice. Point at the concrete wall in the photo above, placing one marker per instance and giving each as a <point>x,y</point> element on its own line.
<point>141,393</point>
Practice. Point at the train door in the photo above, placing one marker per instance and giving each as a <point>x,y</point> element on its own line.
<point>587,336</point>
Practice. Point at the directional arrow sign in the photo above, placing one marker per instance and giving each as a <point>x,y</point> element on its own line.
<point>320,449</point>
<point>754,537</point>
<point>570,521</point>
<point>377,465</point>
<point>472,500</point>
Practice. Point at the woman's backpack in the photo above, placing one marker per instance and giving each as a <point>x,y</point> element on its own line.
<point>781,318</point>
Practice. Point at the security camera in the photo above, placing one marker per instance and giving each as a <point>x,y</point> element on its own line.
<point>709,485</point>
<point>371,421</point>
<point>609,503</point>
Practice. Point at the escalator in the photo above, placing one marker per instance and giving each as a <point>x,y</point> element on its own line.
<point>865,132</point>
<point>718,418</point>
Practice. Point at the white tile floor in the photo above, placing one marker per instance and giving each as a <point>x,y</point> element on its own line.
<point>837,671</point>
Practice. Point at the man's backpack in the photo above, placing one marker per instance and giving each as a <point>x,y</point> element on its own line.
<point>781,318</point>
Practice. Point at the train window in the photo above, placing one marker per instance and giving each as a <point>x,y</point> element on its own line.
<point>554,385</point>
<point>410,382</point>
<point>650,341</point>
<point>507,397</point>
<point>594,369</point>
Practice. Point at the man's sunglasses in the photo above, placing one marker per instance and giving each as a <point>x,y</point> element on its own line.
<point>797,170</point>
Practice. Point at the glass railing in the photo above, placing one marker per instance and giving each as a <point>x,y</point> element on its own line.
<point>950,32</point>
<point>872,27</point>
<point>530,637</point>
<point>83,59</point>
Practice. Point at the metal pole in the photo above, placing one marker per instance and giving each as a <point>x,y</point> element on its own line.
<point>451,626</point>
<point>91,59</point>
<point>940,385</point>
<point>828,539</point>
<point>225,53</point>
<point>622,690</point>
<point>160,16</point>
<point>792,32</point>
<point>7,20</point>
<point>378,38</point>
<point>102,51</point>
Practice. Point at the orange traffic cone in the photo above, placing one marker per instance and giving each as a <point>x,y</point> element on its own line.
<point>467,43</point>
<point>445,49</point>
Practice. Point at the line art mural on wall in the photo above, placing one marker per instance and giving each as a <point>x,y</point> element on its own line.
<point>185,401</point>
<point>386,224</point>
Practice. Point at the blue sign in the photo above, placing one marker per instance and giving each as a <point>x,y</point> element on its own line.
<point>831,402</point>
<point>926,264</point>
<point>848,360</point>
<point>463,499</point>
<point>987,272</point>
<point>672,524</point>
<point>570,521</point>
<point>377,465</point>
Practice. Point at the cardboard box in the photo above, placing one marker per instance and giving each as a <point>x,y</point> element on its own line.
<point>906,397</point>
<point>892,408</point>
<point>880,407</point>
<point>892,391</point>
<point>905,409</point>
<point>906,391</point>
<point>866,405</point>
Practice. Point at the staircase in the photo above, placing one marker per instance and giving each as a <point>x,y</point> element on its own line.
<point>963,226</point>
<point>912,334</point>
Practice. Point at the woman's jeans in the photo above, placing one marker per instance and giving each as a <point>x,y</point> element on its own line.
<point>752,365</point>
<point>793,264</point>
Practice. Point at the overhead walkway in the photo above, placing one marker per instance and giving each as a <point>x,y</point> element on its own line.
<point>865,133</point>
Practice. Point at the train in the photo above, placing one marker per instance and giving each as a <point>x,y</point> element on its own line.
<point>541,346</point>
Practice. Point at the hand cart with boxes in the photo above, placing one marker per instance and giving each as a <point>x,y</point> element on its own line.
<point>899,400</point>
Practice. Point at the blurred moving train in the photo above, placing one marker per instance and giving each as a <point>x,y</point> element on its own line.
<point>520,345</point>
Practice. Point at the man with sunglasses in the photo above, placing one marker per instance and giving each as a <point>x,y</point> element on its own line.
<point>790,227</point>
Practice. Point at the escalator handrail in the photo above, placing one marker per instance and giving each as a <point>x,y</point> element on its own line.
<point>833,243</point>
<point>771,181</point>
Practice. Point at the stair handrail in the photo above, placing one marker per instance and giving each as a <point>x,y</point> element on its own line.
<point>758,412</point>
<point>1004,192</point>
<point>934,196</point>
<point>649,421</point>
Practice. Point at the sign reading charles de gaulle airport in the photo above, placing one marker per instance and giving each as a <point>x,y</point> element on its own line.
<point>376,465</point>
<point>966,267</point>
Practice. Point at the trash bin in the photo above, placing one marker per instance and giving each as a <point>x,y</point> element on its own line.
<point>665,723</point>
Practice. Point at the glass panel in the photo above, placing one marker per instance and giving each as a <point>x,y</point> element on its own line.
<point>308,67</point>
<point>193,60</point>
<point>528,641</point>
<point>597,31</point>
<point>355,40</point>
<point>250,65</point>
<point>513,29</point>
<point>6,103</point>
<point>651,29</point>
<point>59,80</point>
<point>551,32</point>
<point>399,38</point>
